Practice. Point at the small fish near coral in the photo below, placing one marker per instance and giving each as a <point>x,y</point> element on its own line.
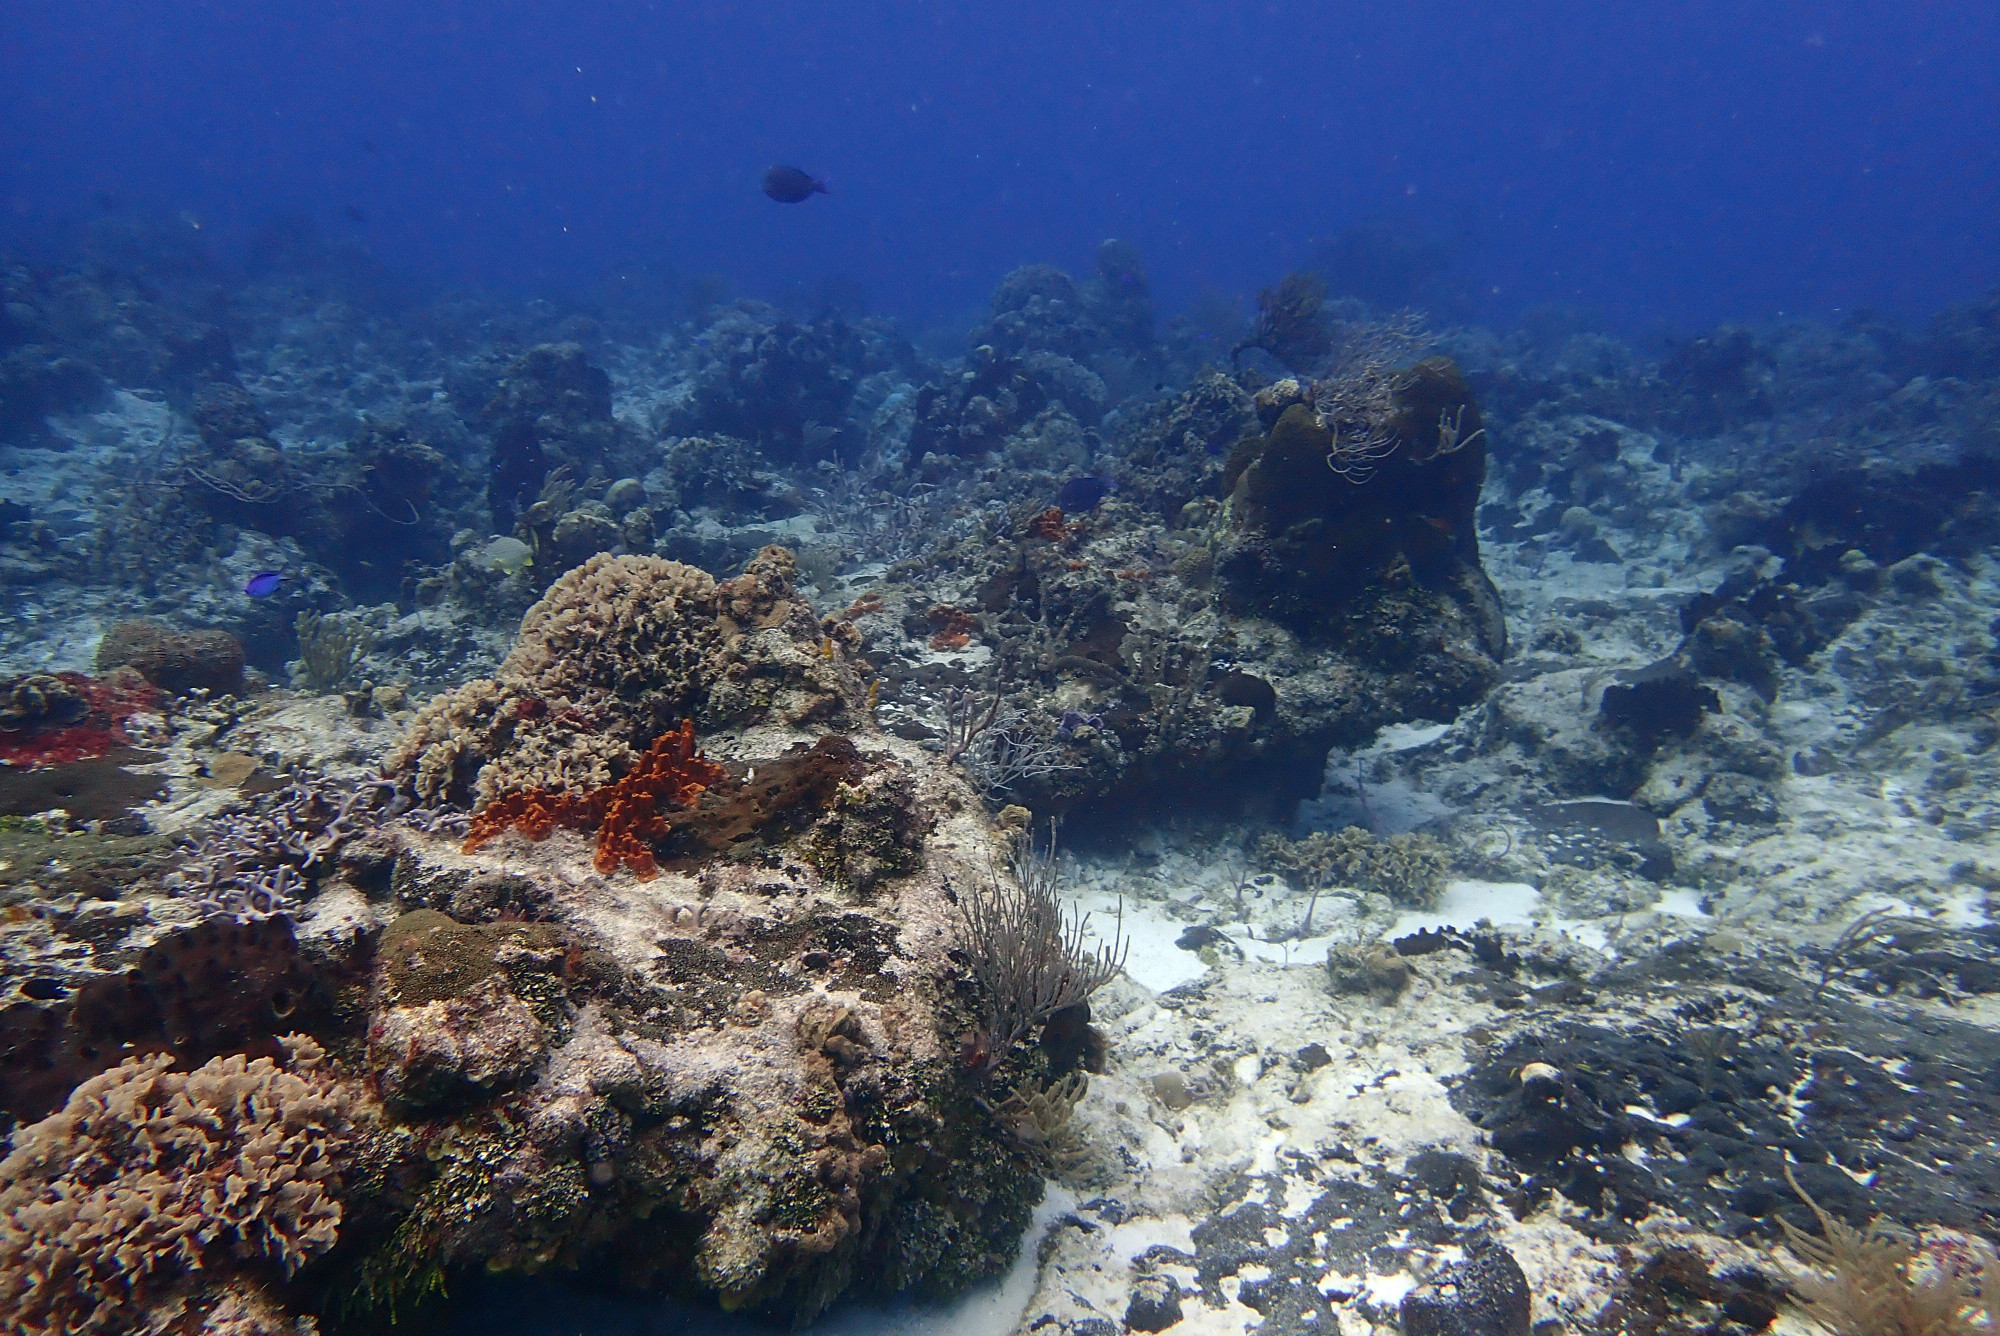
<point>265,583</point>
<point>791,185</point>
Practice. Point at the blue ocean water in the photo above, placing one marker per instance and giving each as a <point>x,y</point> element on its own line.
<point>1465,537</point>
<point>1663,165</point>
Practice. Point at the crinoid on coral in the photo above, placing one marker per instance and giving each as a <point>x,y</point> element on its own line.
<point>151,1189</point>
<point>1349,532</point>
<point>617,651</point>
<point>625,813</point>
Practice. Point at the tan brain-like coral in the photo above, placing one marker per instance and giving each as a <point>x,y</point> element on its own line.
<point>149,1181</point>
<point>616,653</point>
<point>610,655</point>
<point>1410,869</point>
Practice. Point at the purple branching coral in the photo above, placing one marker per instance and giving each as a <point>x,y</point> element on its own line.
<point>264,861</point>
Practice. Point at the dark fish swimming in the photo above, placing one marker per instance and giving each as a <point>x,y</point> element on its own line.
<point>1081,494</point>
<point>789,185</point>
<point>265,583</point>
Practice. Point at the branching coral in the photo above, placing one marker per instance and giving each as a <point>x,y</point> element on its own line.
<point>261,861</point>
<point>1289,326</point>
<point>1027,951</point>
<point>148,1176</point>
<point>626,814</point>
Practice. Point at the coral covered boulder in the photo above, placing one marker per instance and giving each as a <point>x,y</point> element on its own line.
<point>618,652</point>
<point>174,660</point>
<point>726,1055</point>
<point>1330,514</point>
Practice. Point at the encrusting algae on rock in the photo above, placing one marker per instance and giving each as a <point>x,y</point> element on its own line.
<point>625,813</point>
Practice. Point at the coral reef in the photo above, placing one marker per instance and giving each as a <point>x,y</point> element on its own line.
<point>615,653</point>
<point>788,1022</point>
<point>151,1186</point>
<point>624,1043</point>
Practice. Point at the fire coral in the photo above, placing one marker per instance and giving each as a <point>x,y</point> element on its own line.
<point>626,814</point>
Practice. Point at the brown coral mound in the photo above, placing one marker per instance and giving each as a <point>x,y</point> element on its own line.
<point>608,659</point>
<point>626,814</point>
<point>173,660</point>
<point>617,651</point>
<point>224,985</point>
<point>148,1176</point>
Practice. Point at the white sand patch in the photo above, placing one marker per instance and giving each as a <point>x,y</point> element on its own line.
<point>1680,902</point>
<point>1465,904</point>
<point>1408,737</point>
<point>993,1308</point>
<point>1152,958</point>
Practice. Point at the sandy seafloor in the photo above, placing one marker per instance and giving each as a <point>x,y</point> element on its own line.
<point>1256,1128</point>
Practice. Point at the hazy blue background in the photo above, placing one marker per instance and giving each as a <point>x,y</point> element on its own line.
<point>1664,162</point>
